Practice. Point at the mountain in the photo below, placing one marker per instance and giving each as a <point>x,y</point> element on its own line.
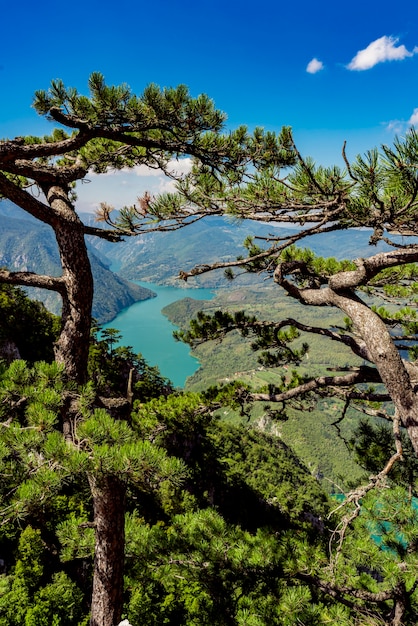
<point>26,243</point>
<point>159,257</point>
<point>29,245</point>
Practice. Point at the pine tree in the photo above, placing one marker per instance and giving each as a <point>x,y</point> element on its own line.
<point>99,454</point>
<point>376,294</point>
<point>109,129</point>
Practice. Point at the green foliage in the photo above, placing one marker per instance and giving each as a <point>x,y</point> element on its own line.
<point>378,552</point>
<point>57,604</point>
<point>224,541</point>
<point>30,596</point>
<point>20,313</point>
<point>160,123</point>
<point>250,476</point>
<point>111,368</point>
<point>113,450</point>
<point>232,369</point>
<point>213,572</point>
<point>217,325</point>
<point>116,104</point>
<point>218,560</point>
<point>373,445</point>
<point>117,370</point>
<point>39,466</point>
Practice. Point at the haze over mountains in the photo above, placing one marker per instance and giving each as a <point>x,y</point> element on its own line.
<point>27,244</point>
<point>159,257</point>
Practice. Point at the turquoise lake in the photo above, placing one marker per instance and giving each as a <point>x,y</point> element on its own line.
<point>148,331</point>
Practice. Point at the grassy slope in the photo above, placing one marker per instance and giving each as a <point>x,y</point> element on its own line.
<point>309,432</point>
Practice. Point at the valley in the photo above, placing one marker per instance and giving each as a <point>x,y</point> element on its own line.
<point>138,269</point>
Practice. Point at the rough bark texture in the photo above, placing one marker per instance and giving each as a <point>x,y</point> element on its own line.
<point>401,601</point>
<point>388,361</point>
<point>75,285</point>
<point>398,376</point>
<point>109,519</point>
<point>73,344</point>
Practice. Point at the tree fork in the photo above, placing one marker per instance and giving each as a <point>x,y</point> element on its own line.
<point>387,359</point>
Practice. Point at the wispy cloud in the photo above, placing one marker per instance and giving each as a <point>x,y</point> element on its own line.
<point>383,49</point>
<point>122,187</point>
<point>413,120</point>
<point>176,167</point>
<point>401,126</point>
<point>314,66</point>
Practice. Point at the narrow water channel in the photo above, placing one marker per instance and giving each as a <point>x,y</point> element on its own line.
<point>148,331</point>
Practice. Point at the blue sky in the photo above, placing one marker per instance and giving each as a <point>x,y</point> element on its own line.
<point>333,71</point>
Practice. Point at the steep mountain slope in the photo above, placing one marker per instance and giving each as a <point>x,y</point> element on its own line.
<point>159,257</point>
<point>26,244</point>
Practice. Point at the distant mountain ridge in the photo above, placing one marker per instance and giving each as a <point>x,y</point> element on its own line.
<point>26,243</point>
<point>159,257</point>
<point>29,245</point>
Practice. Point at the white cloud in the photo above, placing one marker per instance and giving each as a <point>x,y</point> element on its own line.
<point>413,120</point>
<point>396,126</point>
<point>378,51</point>
<point>402,126</point>
<point>314,66</point>
<point>122,187</point>
<point>161,182</point>
<point>176,167</point>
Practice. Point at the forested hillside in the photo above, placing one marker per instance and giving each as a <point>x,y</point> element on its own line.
<point>308,431</point>
<point>233,524</point>
<point>238,487</point>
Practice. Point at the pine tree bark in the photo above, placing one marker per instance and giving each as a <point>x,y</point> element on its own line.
<point>109,495</point>
<point>385,355</point>
<point>401,602</point>
<point>72,347</point>
<point>379,346</point>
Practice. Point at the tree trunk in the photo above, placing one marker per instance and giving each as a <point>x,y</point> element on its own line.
<point>386,357</point>
<point>379,344</point>
<point>109,518</point>
<point>72,350</point>
<point>72,347</point>
<point>401,601</point>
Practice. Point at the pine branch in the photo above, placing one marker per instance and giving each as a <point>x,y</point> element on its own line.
<point>361,375</point>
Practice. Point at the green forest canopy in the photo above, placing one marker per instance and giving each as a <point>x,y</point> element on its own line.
<point>90,470</point>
